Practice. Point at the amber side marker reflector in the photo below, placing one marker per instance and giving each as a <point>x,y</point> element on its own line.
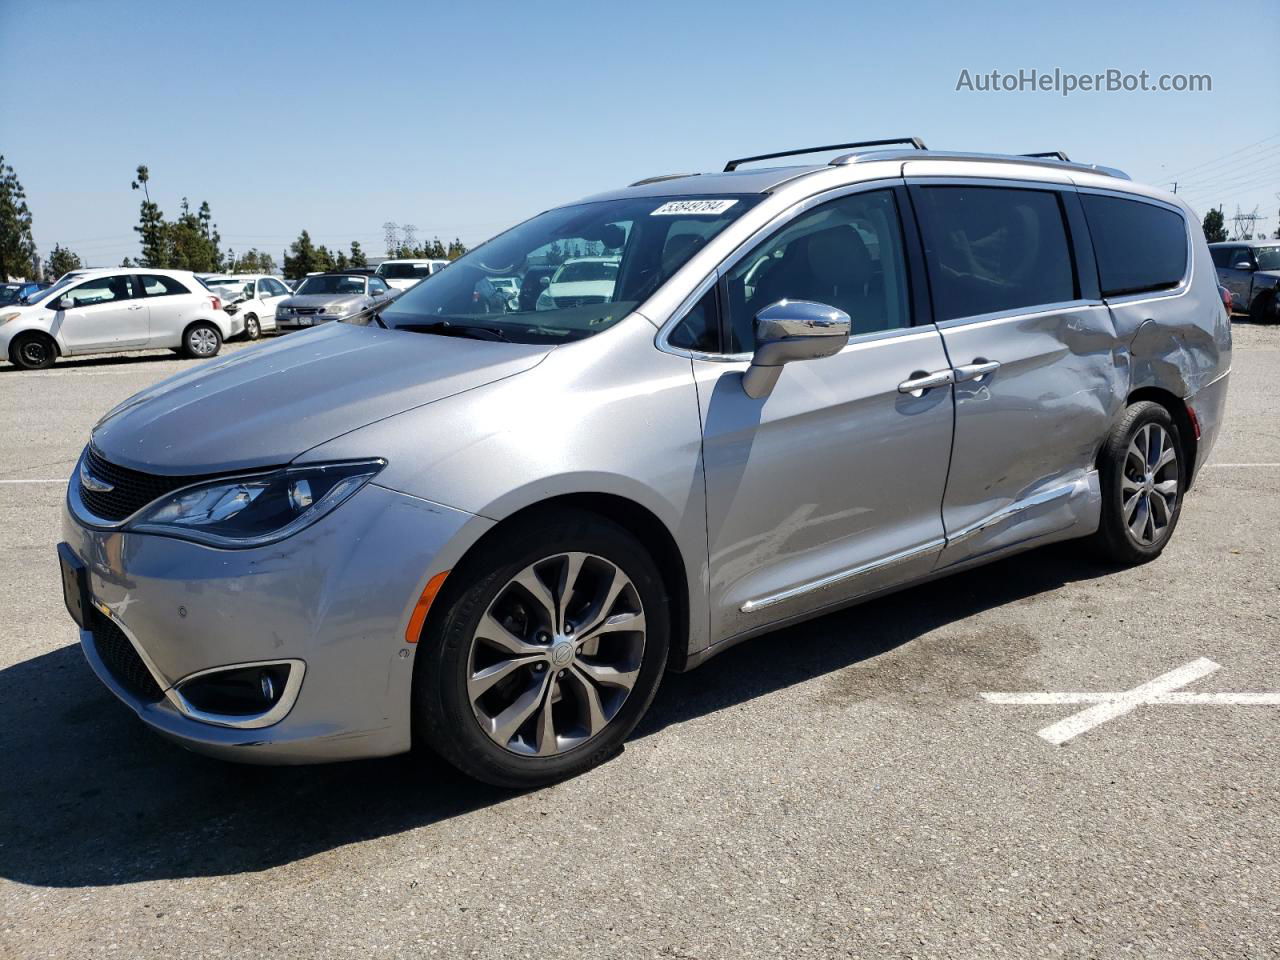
<point>414,630</point>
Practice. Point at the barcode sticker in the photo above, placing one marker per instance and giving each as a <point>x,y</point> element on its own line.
<point>684,208</point>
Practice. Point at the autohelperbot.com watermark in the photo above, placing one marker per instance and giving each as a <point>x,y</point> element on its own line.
<point>1065,82</point>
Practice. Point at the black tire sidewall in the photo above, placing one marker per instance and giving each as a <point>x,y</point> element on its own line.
<point>186,341</point>
<point>21,340</point>
<point>442,711</point>
<point>1114,537</point>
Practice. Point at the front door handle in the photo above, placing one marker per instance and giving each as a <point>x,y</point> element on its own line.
<point>135,306</point>
<point>977,370</point>
<point>919,382</point>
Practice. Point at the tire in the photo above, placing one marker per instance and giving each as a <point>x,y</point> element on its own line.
<point>561,695</point>
<point>201,341</point>
<point>1140,507</point>
<point>1264,308</point>
<point>252,328</point>
<point>33,351</point>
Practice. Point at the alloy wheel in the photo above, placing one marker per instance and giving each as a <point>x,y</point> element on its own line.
<point>556,654</point>
<point>1149,484</point>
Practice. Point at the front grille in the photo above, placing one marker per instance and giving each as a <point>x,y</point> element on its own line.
<point>306,311</point>
<point>131,490</point>
<point>121,659</point>
<point>565,302</point>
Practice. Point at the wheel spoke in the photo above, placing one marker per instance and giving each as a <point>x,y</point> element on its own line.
<point>620,623</point>
<point>545,741</point>
<point>1155,444</point>
<point>538,591</point>
<point>494,632</point>
<point>609,676</point>
<point>482,680</point>
<point>1168,488</point>
<point>592,709</point>
<point>1167,457</point>
<point>1159,511</point>
<point>568,580</point>
<point>1131,505</point>
<point>1138,524</point>
<point>504,726</point>
<point>600,612</point>
<point>1127,485</point>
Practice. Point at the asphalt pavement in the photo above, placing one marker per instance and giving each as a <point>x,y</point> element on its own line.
<point>836,789</point>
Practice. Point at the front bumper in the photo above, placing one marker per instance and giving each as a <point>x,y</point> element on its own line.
<point>337,597</point>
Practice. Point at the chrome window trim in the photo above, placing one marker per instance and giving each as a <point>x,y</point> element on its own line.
<point>745,246</point>
<point>1018,313</point>
<point>1188,277</point>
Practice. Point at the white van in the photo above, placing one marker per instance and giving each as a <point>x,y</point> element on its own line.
<point>111,309</point>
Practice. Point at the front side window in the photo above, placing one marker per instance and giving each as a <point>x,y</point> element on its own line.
<point>157,286</point>
<point>1268,257</point>
<point>1140,247</point>
<point>100,290</point>
<point>376,286</point>
<point>1222,256</point>
<point>993,249</point>
<point>331,285</point>
<point>272,287</point>
<point>578,270</point>
<point>846,254</point>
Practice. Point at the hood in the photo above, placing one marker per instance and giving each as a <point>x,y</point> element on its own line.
<point>265,405</point>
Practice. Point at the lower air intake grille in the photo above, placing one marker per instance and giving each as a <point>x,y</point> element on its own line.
<point>122,660</point>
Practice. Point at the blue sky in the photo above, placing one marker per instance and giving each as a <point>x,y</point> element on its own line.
<point>463,118</point>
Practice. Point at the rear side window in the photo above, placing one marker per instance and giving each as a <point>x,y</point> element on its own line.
<point>993,249</point>
<point>1140,247</point>
<point>156,286</point>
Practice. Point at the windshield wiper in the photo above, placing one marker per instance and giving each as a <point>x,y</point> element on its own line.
<point>447,328</point>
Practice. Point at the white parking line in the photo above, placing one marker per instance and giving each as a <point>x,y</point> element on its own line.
<point>1108,706</point>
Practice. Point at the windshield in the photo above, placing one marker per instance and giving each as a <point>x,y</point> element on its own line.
<point>331,285</point>
<point>634,246</point>
<point>9,292</point>
<point>1268,258</point>
<point>62,284</point>
<point>403,271</point>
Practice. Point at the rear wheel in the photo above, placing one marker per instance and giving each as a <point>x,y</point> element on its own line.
<point>1143,477</point>
<point>252,329</point>
<point>201,341</point>
<point>33,351</point>
<point>548,654</point>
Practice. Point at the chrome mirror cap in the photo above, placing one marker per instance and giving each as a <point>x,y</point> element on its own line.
<point>792,330</point>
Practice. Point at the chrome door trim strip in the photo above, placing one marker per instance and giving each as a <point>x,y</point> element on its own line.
<point>751,606</point>
<point>1083,485</point>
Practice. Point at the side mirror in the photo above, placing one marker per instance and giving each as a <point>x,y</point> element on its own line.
<point>66,303</point>
<point>544,280</point>
<point>1242,265</point>
<point>792,330</point>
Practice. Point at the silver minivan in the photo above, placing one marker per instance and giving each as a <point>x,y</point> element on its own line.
<point>490,529</point>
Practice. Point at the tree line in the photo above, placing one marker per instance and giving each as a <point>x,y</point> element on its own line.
<point>188,242</point>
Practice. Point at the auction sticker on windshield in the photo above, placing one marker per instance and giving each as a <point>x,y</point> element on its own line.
<point>673,208</point>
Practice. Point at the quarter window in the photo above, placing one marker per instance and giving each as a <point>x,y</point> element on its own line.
<point>700,328</point>
<point>1140,247</point>
<point>993,249</point>
<point>846,254</point>
<point>157,286</point>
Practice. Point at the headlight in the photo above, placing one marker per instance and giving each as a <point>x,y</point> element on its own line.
<point>336,310</point>
<point>6,317</point>
<point>284,311</point>
<point>255,509</point>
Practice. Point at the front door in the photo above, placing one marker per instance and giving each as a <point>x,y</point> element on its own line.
<point>105,316</point>
<point>1037,370</point>
<point>830,487</point>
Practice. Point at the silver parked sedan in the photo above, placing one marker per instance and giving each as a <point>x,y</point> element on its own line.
<point>326,297</point>
<point>492,528</point>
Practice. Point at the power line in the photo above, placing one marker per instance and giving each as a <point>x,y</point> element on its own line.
<point>1211,162</point>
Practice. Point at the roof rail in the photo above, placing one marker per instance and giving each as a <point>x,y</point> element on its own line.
<point>1048,155</point>
<point>915,142</point>
<point>661,177</point>
<point>1021,158</point>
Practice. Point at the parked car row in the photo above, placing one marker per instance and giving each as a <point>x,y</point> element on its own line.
<point>1250,273</point>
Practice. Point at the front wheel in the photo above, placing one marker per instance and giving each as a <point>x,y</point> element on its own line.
<point>201,341</point>
<point>1143,477</point>
<point>252,328</point>
<point>33,351</point>
<point>548,653</point>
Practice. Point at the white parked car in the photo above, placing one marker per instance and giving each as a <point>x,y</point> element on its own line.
<point>251,298</point>
<point>102,311</point>
<point>403,274</point>
<point>580,281</point>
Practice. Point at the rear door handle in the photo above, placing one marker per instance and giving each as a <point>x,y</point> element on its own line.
<point>920,381</point>
<point>135,306</point>
<point>977,370</point>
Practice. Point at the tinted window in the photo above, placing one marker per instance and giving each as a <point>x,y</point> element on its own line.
<point>331,285</point>
<point>377,286</point>
<point>846,254</point>
<point>100,290</point>
<point>1268,257</point>
<point>991,249</point>
<point>156,286</point>
<point>1221,256</point>
<point>1140,246</point>
<point>700,328</point>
